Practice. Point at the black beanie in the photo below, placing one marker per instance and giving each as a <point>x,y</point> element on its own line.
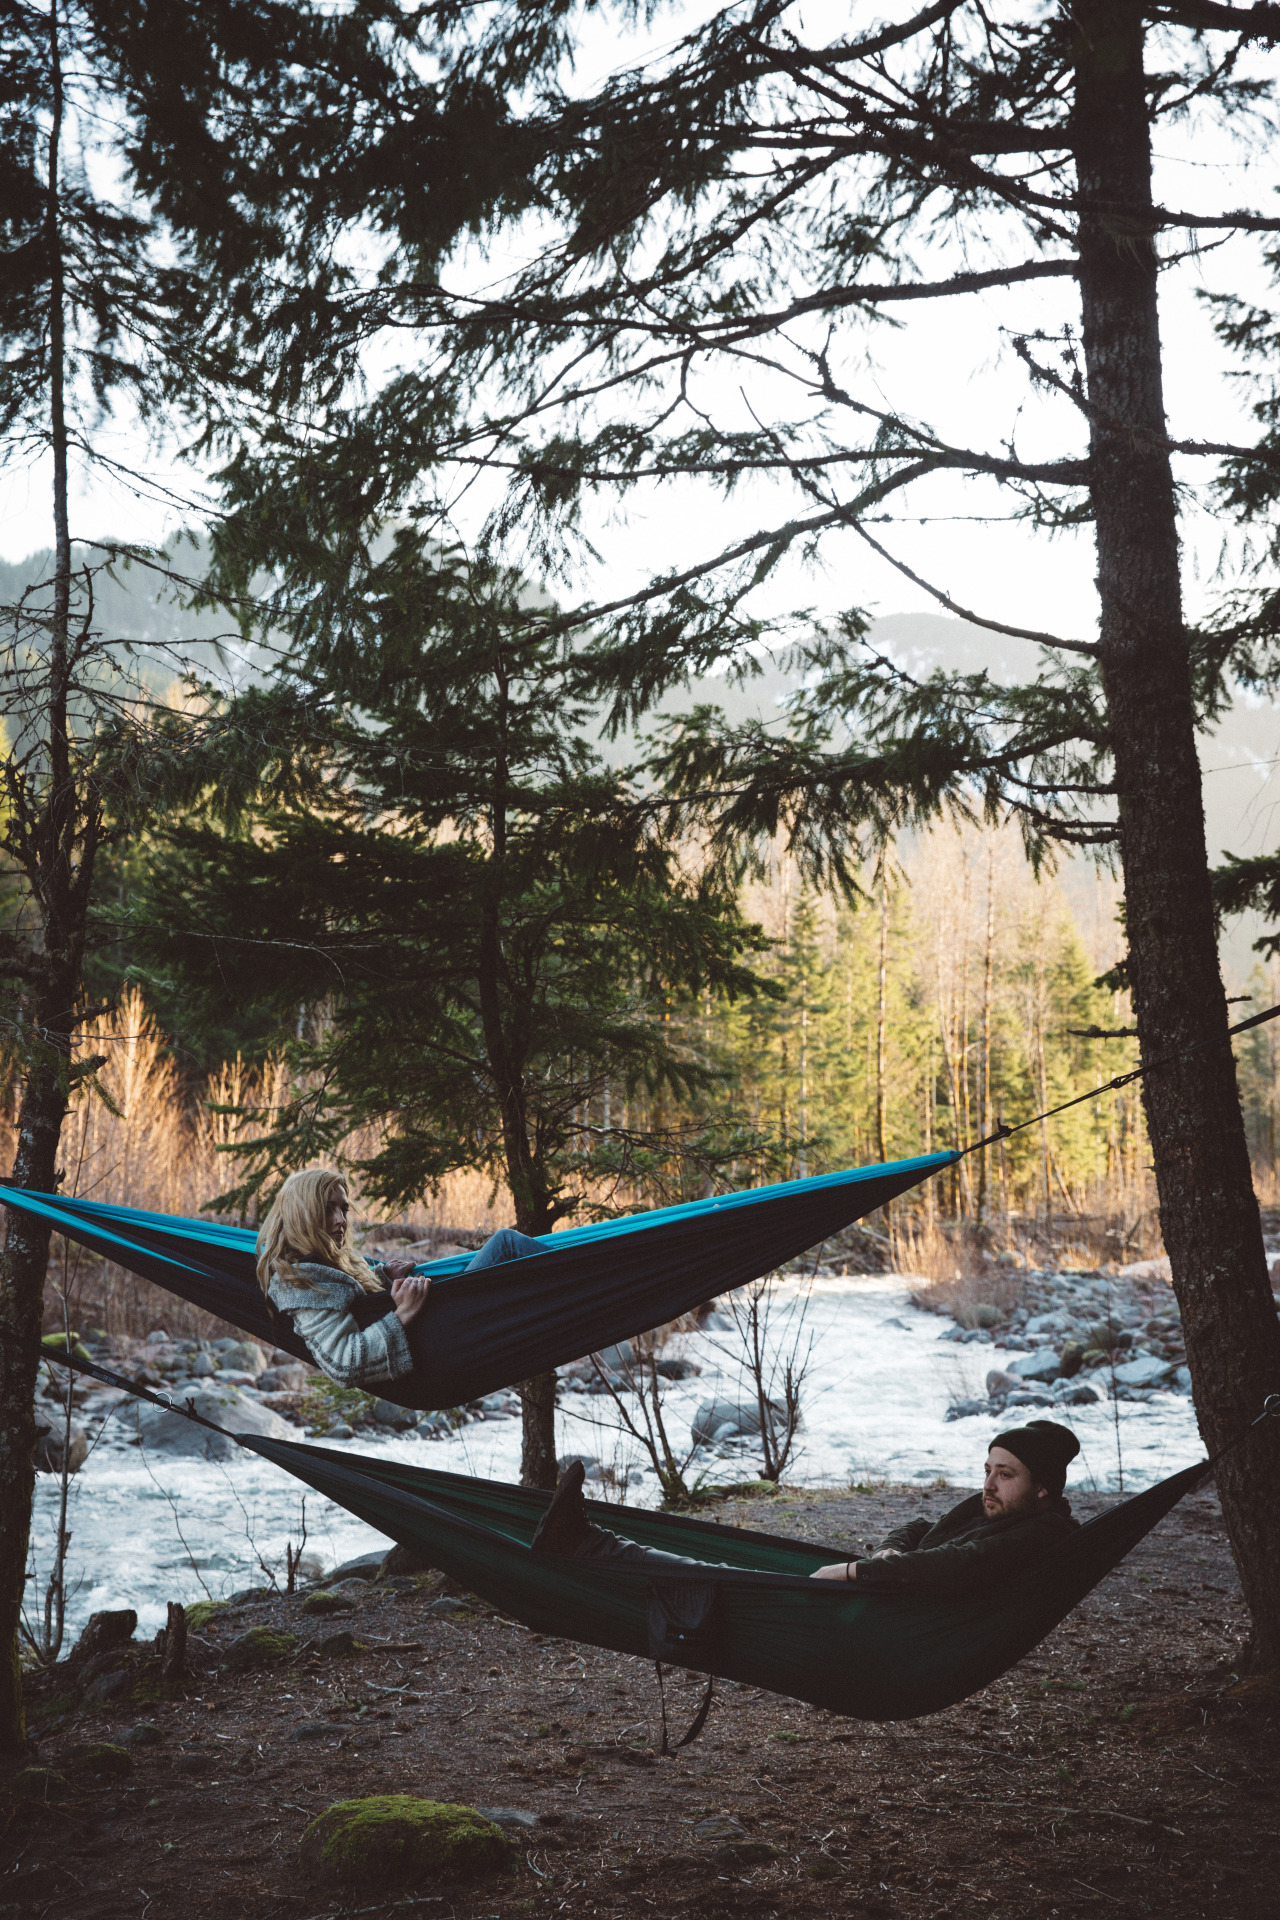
<point>1044,1449</point>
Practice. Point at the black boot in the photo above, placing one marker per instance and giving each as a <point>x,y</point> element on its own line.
<point>564,1527</point>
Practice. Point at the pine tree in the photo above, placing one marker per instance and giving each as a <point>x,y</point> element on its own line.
<point>127,219</point>
<point>473,905</point>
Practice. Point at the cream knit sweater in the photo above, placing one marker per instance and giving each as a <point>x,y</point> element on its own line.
<point>353,1356</point>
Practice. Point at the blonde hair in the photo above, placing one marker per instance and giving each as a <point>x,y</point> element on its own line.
<point>297,1228</point>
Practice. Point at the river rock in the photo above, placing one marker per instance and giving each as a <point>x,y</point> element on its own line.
<point>677,1369</point>
<point>110,1686</point>
<point>145,1734</point>
<point>1146,1371</point>
<point>37,1783</point>
<point>999,1381</point>
<point>105,1631</point>
<point>720,1419</point>
<point>1073,1393</point>
<point>364,1567</point>
<point>613,1359</point>
<point>98,1760</point>
<point>1036,1366</point>
<point>259,1647</point>
<point>161,1431</point>
<point>387,1414</point>
<point>1148,1273</point>
<point>54,1446</point>
<point>736,1854</point>
<point>290,1379</point>
<point>512,1820</point>
<point>324,1601</point>
<point>721,1829</point>
<point>335,1646</point>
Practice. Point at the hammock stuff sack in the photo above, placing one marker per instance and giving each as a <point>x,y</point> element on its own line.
<point>751,1614</point>
<point>592,1287</point>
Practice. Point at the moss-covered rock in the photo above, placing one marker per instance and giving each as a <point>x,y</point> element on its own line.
<point>395,1839</point>
<point>99,1760</point>
<point>38,1783</point>
<point>201,1612</point>
<point>60,1342</point>
<point>323,1601</point>
<point>260,1647</point>
<point>335,1646</point>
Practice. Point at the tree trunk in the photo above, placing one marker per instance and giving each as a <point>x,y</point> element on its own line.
<point>51,1009</point>
<point>882,1015</point>
<point>538,1393</point>
<point>1208,1211</point>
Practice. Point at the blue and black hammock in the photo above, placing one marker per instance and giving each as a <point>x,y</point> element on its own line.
<point>750,1612</point>
<point>591,1287</point>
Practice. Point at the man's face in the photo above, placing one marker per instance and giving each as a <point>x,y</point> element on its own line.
<point>1008,1487</point>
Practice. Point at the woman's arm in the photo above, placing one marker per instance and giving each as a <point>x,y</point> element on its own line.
<point>350,1355</point>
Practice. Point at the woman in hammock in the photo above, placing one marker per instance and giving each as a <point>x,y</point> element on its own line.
<point>306,1270</point>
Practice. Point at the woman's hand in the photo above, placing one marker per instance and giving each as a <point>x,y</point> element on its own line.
<point>409,1291</point>
<point>840,1570</point>
<point>397,1269</point>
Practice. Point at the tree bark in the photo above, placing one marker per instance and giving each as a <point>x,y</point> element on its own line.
<point>534,1207</point>
<point>49,837</point>
<point>1208,1210</point>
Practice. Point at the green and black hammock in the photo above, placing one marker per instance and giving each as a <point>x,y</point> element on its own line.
<point>752,1614</point>
<point>591,1287</point>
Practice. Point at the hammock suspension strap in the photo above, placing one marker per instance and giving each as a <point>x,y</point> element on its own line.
<point>1003,1132</point>
<point>699,1720</point>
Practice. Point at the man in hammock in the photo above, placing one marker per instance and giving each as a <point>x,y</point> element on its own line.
<point>987,1539</point>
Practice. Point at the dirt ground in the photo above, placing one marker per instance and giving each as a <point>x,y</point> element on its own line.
<point>1122,1768</point>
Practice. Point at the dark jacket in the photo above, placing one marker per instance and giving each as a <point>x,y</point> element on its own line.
<point>964,1551</point>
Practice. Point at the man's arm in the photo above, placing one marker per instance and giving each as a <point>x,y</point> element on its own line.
<point>907,1538</point>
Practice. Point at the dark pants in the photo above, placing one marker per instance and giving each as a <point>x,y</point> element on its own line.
<point>606,1549</point>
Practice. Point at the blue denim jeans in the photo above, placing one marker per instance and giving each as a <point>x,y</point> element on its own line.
<point>506,1244</point>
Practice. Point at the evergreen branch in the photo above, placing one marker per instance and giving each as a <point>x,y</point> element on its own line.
<point>966,613</point>
<point>1259,22</point>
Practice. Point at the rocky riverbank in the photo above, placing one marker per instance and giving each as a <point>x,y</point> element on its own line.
<point>1080,1337</point>
<point>239,1384</point>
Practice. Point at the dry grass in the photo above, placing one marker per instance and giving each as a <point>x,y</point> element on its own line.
<point>134,1139</point>
<point>961,1265</point>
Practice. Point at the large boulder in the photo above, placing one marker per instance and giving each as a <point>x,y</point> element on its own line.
<point>56,1449</point>
<point>161,1431</point>
<point>722,1419</point>
<point>1148,1273</point>
<point>1148,1370</point>
<point>395,1839</point>
<point>104,1632</point>
<point>1043,1365</point>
